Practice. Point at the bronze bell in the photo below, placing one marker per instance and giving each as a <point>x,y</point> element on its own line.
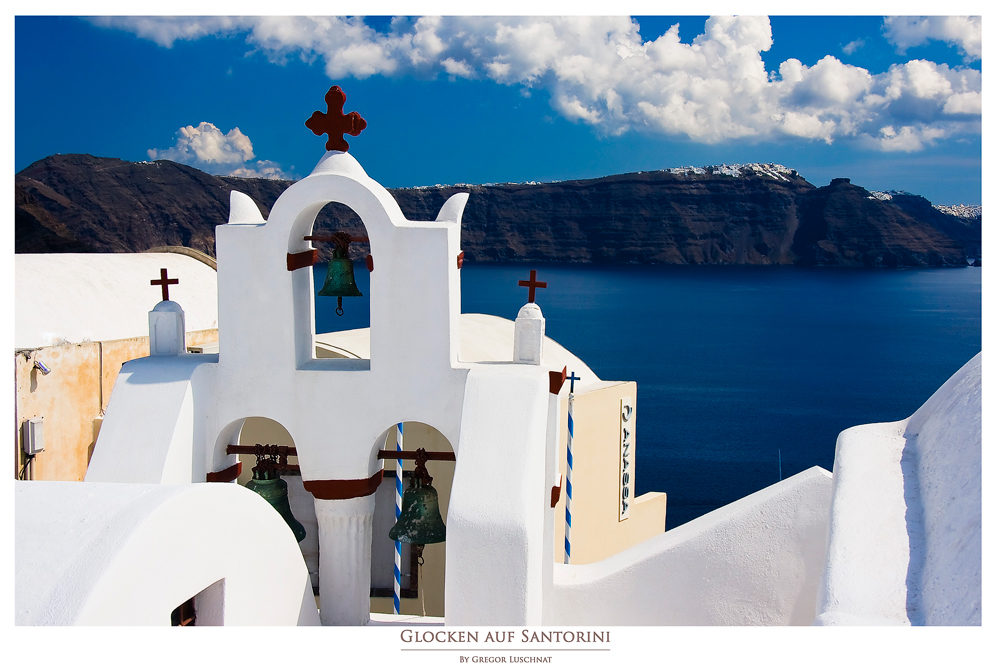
<point>340,273</point>
<point>268,485</point>
<point>420,517</point>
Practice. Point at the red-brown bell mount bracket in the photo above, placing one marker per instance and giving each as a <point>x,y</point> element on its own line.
<point>227,475</point>
<point>301,260</point>
<point>411,456</point>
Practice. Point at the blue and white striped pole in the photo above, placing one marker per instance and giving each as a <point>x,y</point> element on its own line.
<point>399,508</point>
<point>569,472</point>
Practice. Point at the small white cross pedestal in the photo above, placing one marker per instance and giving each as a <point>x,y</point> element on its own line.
<point>529,335</point>
<point>166,329</point>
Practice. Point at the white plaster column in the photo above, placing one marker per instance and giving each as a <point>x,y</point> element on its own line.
<point>529,335</point>
<point>345,557</point>
<point>304,509</point>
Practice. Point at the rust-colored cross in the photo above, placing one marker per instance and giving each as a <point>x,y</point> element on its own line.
<point>531,284</point>
<point>334,123</point>
<point>164,283</point>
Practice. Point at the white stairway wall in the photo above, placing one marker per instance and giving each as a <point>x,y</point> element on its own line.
<point>756,561</point>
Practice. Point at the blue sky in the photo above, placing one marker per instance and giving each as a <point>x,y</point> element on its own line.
<point>889,103</point>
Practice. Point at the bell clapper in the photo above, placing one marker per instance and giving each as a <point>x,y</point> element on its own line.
<point>420,578</point>
<point>340,306</point>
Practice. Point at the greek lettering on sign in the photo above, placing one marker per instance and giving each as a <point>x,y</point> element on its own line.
<point>625,472</point>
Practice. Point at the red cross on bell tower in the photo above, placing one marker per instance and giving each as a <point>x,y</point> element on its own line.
<point>334,122</point>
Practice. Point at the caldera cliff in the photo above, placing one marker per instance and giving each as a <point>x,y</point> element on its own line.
<point>742,214</point>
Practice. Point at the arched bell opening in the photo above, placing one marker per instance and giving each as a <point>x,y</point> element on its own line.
<point>252,431</point>
<point>341,283</point>
<point>422,586</point>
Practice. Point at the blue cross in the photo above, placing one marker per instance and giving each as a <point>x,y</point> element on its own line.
<point>572,378</point>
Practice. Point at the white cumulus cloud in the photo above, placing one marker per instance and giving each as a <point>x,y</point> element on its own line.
<point>964,32</point>
<point>907,139</point>
<point>165,30</point>
<point>852,46</point>
<point>599,71</point>
<point>206,143</point>
<point>929,93</point>
<point>456,67</point>
<point>207,148</point>
<point>261,169</point>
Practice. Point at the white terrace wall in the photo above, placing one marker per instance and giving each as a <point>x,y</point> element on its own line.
<point>756,561</point>
<point>129,554</point>
<point>154,427</point>
<point>943,456</point>
<point>905,544</point>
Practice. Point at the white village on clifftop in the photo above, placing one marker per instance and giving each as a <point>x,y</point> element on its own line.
<point>161,436</point>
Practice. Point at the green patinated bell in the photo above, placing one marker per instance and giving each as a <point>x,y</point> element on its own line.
<point>340,272</point>
<point>419,518</point>
<point>340,278</point>
<point>275,491</point>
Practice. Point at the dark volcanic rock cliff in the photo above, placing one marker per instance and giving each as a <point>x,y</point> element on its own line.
<point>967,230</point>
<point>844,225</point>
<point>649,217</point>
<point>117,206</point>
<point>760,214</point>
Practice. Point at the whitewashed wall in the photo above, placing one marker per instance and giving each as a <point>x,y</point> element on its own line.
<point>129,554</point>
<point>499,499</point>
<point>905,543</point>
<point>946,438</point>
<point>756,561</point>
<point>69,297</point>
<point>154,427</point>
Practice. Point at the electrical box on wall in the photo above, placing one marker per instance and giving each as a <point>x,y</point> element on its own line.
<point>31,436</point>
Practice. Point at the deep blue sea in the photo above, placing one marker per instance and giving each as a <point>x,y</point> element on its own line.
<point>737,364</point>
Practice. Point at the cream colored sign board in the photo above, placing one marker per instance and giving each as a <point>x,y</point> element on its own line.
<point>625,474</point>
